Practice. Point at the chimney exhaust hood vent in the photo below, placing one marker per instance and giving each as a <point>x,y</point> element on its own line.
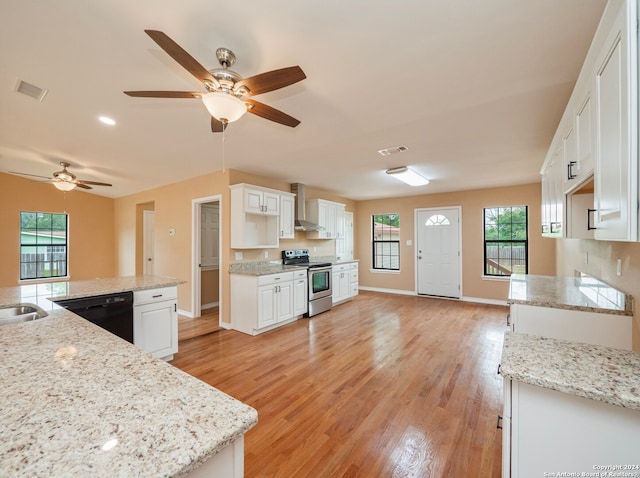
<point>300,223</point>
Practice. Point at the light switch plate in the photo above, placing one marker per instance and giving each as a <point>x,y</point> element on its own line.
<point>238,256</point>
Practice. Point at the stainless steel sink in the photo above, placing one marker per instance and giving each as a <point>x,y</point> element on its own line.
<point>20,313</point>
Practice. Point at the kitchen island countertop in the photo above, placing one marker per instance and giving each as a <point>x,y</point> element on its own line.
<point>79,401</point>
<point>580,292</point>
<point>42,293</point>
<point>591,371</point>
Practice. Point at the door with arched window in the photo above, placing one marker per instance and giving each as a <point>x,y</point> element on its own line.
<point>438,247</point>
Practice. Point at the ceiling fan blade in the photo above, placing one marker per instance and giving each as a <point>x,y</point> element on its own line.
<point>33,175</point>
<point>94,183</point>
<point>271,80</point>
<point>217,126</point>
<point>83,186</point>
<point>267,112</point>
<point>176,52</point>
<point>164,94</point>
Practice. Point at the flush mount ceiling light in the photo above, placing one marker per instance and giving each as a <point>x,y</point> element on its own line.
<point>106,120</point>
<point>408,176</point>
<point>225,107</point>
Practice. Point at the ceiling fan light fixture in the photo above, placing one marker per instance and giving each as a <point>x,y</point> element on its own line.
<point>224,106</point>
<point>64,186</point>
<point>408,176</point>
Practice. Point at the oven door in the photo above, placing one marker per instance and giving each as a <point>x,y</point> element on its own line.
<point>319,282</point>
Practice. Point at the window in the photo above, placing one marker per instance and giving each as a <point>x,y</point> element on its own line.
<point>505,241</point>
<point>386,241</point>
<point>43,245</point>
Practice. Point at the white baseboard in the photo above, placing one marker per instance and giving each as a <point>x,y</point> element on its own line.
<point>226,326</point>
<point>478,300</point>
<point>481,300</point>
<point>185,313</point>
<point>388,291</point>
<point>210,305</point>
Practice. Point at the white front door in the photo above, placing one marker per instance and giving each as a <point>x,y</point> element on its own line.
<point>438,252</point>
<point>149,220</point>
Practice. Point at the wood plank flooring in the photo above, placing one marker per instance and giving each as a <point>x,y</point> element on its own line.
<point>382,386</point>
<point>207,323</point>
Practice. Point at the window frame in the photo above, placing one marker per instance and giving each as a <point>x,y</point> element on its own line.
<point>375,242</point>
<point>55,249</point>
<point>485,241</point>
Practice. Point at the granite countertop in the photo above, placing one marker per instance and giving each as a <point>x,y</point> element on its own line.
<point>70,390</point>
<point>580,292</point>
<point>591,371</point>
<point>259,268</point>
<point>42,293</point>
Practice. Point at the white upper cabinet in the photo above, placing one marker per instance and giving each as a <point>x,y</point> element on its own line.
<point>287,208</point>
<point>615,91</point>
<point>328,215</point>
<point>255,217</point>
<point>598,136</point>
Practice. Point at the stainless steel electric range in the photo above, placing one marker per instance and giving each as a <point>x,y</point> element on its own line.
<point>319,278</point>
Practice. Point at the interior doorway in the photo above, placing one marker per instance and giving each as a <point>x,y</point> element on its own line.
<point>206,281</point>
<point>148,228</point>
<point>438,248</point>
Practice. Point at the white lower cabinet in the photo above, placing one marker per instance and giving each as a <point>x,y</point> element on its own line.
<point>155,321</point>
<point>300,293</point>
<point>610,330</point>
<point>345,282</point>
<point>261,303</point>
<point>546,432</point>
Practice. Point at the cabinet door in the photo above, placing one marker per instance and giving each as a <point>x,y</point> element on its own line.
<point>616,182</point>
<point>286,217</point>
<point>284,298</point>
<point>155,328</point>
<point>253,201</point>
<point>584,138</point>
<point>570,156</point>
<point>266,305</point>
<point>271,203</point>
<point>300,297</point>
<point>339,221</point>
<point>325,217</point>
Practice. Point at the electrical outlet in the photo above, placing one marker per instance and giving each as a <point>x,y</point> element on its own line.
<point>238,256</point>
<point>266,254</point>
<point>619,267</point>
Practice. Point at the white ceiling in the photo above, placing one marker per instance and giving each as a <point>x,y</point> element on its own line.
<point>474,89</point>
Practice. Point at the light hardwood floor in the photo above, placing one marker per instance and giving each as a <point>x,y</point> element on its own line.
<point>207,323</point>
<point>382,386</point>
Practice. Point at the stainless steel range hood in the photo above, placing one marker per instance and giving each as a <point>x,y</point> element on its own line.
<point>300,223</point>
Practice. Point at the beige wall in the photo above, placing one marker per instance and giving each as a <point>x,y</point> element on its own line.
<point>541,250</point>
<point>601,263</point>
<point>173,209</point>
<point>91,227</point>
<point>210,286</point>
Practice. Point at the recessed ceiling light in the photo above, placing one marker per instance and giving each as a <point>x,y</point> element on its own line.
<point>107,120</point>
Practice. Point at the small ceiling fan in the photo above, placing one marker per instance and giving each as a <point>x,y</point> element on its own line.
<point>226,91</point>
<point>65,180</point>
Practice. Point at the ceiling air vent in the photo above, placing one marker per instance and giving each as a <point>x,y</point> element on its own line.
<point>31,90</point>
<point>390,151</point>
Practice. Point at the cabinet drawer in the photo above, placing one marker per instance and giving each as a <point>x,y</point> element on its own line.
<point>354,275</point>
<point>275,278</point>
<point>341,268</point>
<point>154,295</point>
<point>300,274</point>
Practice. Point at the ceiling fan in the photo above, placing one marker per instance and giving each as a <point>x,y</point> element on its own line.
<point>226,96</point>
<point>65,180</point>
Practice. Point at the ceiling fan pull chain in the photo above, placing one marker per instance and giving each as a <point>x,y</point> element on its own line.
<point>223,137</point>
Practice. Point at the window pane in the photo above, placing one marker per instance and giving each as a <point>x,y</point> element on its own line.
<point>505,240</point>
<point>43,245</point>
<point>385,241</point>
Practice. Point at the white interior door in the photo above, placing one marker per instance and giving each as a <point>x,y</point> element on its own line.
<point>438,252</point>
<point>149,220</point>
<point>209,246</point>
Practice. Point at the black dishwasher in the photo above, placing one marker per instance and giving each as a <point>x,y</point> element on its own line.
<point>112,312</point>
